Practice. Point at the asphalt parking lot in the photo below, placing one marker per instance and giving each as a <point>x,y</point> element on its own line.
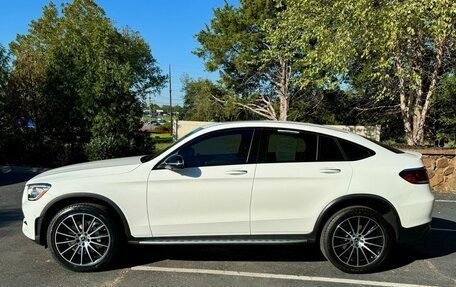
<point>429,262</point>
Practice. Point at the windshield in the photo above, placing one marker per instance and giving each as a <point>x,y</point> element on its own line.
<point>147,158</point>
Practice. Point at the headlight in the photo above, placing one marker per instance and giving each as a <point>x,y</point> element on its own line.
<point>36,191</point>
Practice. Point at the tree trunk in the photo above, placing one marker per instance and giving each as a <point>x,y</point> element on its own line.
<point>284,76</point>
<point>283,115</point>
<point>406,116</point>
<point>419,137</point>
<point>414,111</point>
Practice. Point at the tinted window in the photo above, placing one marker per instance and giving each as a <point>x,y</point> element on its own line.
<point>146,158</point>
<point>328,150</point>
<point>218,148</point>
<point>287,146</point>
<point>354,151</point>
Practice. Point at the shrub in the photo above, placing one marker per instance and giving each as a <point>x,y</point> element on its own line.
<point>111,146</point>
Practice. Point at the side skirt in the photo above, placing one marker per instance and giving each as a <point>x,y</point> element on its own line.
<point>222,240</point>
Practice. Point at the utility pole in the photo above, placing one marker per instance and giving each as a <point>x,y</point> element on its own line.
<point>170,102</point>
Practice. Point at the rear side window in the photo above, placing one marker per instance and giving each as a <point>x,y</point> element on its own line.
<point>354,151</point>
<point>287,146</point>
<point>328,149</point>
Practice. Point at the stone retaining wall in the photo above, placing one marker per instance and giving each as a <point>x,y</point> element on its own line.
<point>440,165</point>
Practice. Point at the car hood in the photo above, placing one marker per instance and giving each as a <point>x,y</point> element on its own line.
<point>94,168</point>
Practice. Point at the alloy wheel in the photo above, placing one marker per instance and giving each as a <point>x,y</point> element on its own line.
<point>82,239</point>
<point>358,241</point>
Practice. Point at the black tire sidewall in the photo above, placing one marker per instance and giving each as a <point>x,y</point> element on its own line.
<point>339,217</point>
<point>101,213</point>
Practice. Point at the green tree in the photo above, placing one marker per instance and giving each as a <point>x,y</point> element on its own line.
<point>178,110</point>
<point>255,60</point>
<point>200,103</point>
<point>401,47</point>
<point>443,112</point>
<point>4,74</point>
<point>80,80</point>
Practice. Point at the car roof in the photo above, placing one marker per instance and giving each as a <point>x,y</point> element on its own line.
<point>275,124</point>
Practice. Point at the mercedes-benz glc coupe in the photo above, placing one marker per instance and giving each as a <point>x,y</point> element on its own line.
<point>237,183</point>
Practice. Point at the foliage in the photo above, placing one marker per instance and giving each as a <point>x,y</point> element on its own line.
<point>443,116</point>
<point>4,70</point>
<point>4,74</point>
<point>161,146</point>
<point>256,63</point>
<point>200,103</point>
<point>110,146</point>
<point>400,47</point>
<point>80,80</point>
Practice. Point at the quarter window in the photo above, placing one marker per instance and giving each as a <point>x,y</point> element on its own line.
<point>328,150</point>
<point>287,146</point>
<point>354,151</point>
<point>218,148</point>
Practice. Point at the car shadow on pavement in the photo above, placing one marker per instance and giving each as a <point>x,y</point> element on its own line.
<point>136,255</point>
<point>439,242</point>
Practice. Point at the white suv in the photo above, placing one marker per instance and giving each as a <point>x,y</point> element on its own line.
<point>242,182</point>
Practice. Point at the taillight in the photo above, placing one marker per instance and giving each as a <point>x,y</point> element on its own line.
<point>415,175</point>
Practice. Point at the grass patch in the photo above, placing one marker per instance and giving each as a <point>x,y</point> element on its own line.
<point>160,146</point>
<point>163,137</point>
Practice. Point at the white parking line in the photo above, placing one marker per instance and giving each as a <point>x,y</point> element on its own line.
<point>273,276</point>
<point>445,200</point>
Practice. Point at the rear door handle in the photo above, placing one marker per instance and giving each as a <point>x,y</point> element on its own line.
<point>236,172</point>
<point>330,170</point>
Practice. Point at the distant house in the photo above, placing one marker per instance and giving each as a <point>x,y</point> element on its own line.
<point>159,112</point>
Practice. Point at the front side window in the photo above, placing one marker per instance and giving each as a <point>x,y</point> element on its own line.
<point>218,148</point>
<point>287,146</point>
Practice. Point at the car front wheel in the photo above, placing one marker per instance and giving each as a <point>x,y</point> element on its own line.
<point>356,240</point>
<point>82,237</point>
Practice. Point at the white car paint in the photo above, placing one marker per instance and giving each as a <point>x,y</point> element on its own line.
<point>267,199</point>
<point>288,197</point>
<point>218,202</point>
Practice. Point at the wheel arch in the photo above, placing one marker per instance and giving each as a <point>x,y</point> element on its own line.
<point>378,203</point>
<point>53,207</point>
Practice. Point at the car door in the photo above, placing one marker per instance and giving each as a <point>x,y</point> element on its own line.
<point>294,181</point>
<point>211,195</point>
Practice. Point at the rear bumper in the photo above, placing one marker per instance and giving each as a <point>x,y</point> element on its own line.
<point>413,233</point>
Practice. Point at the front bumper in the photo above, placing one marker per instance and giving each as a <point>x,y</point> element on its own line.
<point>31,225</point>
<point>27,229</point>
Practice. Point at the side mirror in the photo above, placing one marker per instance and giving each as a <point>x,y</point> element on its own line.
<point>174,162</point>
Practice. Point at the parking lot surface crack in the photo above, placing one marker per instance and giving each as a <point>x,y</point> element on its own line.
<point>434,269</point>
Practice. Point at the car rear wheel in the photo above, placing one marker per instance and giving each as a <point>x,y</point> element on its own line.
<point>356,240</point>
<point>82,237</point>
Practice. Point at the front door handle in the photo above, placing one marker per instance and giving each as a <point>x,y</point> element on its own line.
<point>330,170</point>
<point>236,172</point>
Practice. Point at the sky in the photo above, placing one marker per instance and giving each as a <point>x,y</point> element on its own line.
<point>168,26</point>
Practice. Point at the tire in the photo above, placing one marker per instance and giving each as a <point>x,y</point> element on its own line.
<point>83,249</point>
<point>357,246</point>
